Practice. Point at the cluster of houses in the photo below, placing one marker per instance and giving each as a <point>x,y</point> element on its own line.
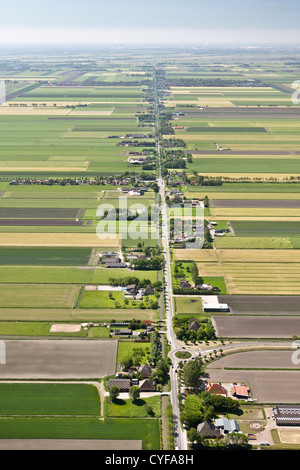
<point>145,385</point>
<point>184,284</point>
<point>138,191</point>
<point>148,328</point>
<point>222,425</point>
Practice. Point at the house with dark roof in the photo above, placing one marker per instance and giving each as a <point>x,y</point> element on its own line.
<point>193,326</point>
<point>147,385</point>
<point>149,290</point>
<point>145,370</point>
<point>207,429</point>
<point>123,384</point>
<point>287,415</point>
<point>184,284</point>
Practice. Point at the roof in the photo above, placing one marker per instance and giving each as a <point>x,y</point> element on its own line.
<point>240,391</point>
<point>208,429</point>
<point>227,425</point>
<point>193,326</point>
<point>123,384</point>
<point>287,414</point>
<point>215,389</point>
<point>145,370</point>
<point>147,385</point>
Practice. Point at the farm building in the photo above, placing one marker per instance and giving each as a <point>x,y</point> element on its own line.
<point>208,429</point>
<point>123,332</point>
<point>147,386</point>
<point>145,370</point>
<point>240,391</point>
<point>110,259</point>
<point>287,415</point>
<point>227,425</point>
<point>215,307</point>
<point>193,326</point>
<point>215,389</point>
<point>123,384</point>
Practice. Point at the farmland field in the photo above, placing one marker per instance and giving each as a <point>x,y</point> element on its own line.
<point>49,399</point>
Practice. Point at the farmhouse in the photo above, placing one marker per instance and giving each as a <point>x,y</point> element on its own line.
<point>240,391</point>
<point>287,415</point>
<point>215,389</point>
<point>184,284</point>
<point>207,429</point>
<point>145,370</point>
<point>193,326</point>
<point>131,289</point>
<point>123,384</point>
<point>123,332</point>
<point>110,259</point>
<point>227,425</point>
<point>147,386</point>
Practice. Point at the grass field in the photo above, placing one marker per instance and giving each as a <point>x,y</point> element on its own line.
<point>49,399</point>
<point>126,408</point>
<point>185,305</point>
<point>44,256</point>
<point>82,428</point>
<point>43,296</point>
<point>266,229</point>
<point>101,299</point>
<point>71,315</point>
<point>126,348</point>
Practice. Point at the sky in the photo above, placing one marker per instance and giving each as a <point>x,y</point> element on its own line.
<point>149,22</point>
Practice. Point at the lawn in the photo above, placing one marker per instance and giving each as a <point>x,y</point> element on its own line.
<point>102,299</point>
<point>126,348</point>
<point>126,408</point>
<point>186,305</point>
<point>83,428</point>
<point>49,399</point>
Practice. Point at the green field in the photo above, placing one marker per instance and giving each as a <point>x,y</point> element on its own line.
<point>126,348</point>
<point>266,229</point>
<point>101,299</point>
<point>44,296</point>
<point>64,275</point>
<point>122,408</point>
<point>49,399</point>
<point>146,430</point>
<point>47,256</point>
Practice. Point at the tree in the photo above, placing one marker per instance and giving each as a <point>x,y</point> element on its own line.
<point>149,410</point>
<point>192,372</point>
<point>114,392</point>
<point>193,411</point>
<point>193,435</point>
<point>134,393</point>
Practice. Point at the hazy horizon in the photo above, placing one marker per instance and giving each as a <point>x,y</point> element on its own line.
<point>158,22</point>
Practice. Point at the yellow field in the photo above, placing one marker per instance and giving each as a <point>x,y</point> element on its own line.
<point>196,255</point>
<point>57,239</point>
